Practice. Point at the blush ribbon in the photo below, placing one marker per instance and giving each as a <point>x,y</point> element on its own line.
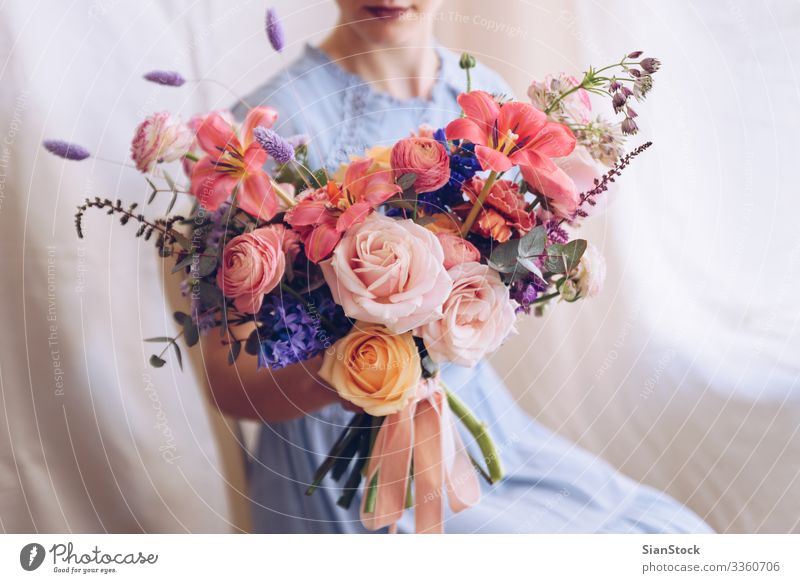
<point>424,430</point>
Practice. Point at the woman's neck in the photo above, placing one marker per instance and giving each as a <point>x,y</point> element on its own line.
<point>403,71</point>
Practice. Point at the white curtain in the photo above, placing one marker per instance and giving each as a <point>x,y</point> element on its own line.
<point>683,373</point>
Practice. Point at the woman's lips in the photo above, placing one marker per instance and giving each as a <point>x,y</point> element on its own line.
<point>386,12</point>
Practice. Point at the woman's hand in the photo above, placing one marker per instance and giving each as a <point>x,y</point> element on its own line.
<point>242,390</point>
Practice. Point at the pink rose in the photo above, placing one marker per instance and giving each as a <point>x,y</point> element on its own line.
<point>252,265</point>
<point>478,316</point>
<point>457,249</point>
<point>388,272</point>
<point>424,157</point>
<point>159,138</point>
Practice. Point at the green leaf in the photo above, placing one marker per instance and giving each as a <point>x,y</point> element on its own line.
<point>180,317</point>
<point>253,343</point>
<point>565,258</point>
<point>157,362</point>
<point>533,242</point>
<point>505,255</point>
<point>206,265</point>
<point>502,268</point>
<point>191,333</point>
<point>528,264</point>
<point>183,263</point>
<point>209,293</point>
<point>321,177</point>
<point>158,339</point>
<point>235,350</point>
<point>406,181</point>
<point>152,194</point>
<point>178,354</point>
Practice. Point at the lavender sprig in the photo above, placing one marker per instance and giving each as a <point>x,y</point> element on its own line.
<point>274,29</point>
<point>66,150</point>
<point>169,78</point>
<point>274,144</point>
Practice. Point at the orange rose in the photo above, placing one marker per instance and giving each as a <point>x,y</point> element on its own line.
<point>374,369</point>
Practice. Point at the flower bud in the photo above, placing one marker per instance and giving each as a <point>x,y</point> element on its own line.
<point>467,61</point>
<point>650,64</point>
<point>635,54</point>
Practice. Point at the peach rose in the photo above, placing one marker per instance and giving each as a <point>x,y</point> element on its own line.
<point>457,249</point>
<point>478,316</point>
<point>374,369</point>
<point>389,272</point>
<point>424,157</point>
<point>252,265</point>
<point>159,138</point>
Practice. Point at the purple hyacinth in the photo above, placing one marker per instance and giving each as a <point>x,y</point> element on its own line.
<point>273,144</point>
<point>171,78</point>
<point>274,29</point>
<point>66,150</point>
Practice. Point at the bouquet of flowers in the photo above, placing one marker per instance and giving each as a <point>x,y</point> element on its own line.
<point>417,254</point>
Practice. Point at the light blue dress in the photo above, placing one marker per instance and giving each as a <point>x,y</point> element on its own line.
<point>551,485</point>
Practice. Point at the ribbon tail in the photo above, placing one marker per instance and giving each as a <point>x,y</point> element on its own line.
<point>390,459</point>
<point>428,469</point>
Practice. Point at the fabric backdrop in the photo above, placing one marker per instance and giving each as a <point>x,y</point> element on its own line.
<point>683,373</point>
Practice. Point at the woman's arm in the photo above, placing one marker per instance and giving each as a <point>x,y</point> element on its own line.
<point>243,390</point>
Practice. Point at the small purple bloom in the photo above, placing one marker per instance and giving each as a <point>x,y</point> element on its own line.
<point>273,144</point>
<point>275,30</point>
<point>66,150</point>
<point>171,78</point>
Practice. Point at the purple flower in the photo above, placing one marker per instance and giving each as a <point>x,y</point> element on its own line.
<point>66,150</point>
<point>275,30</point>
<point>273,144</point>
<point>171,78</point>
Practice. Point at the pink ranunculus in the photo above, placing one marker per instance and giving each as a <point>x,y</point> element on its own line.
<point>252,265</point>
<point>478,316</point>
<point>424,157</point>
<point>389,272</point>
<point>159,138</point>
<point>457,249</point>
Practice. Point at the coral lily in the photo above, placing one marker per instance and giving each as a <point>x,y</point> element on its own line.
<point>516,134</point>
<point>323,215</point>
<point>234,163</point>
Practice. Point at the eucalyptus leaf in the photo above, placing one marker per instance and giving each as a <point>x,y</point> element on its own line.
<point>180,317</point>
<point>178,354</point>
<point>183,263</point>
<point>156,361</point>
<point>210,294</point>
<point>235,350</point>
<point>533,242</point>
<point>530,265</point>
<point>406,181</point>
<point>253,343</point>
<point>505,255</point>
<point>565,258</point>
<point>191,334</point>
<point>206,265</point>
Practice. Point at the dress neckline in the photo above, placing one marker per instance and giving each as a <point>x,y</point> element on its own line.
<point>444,78</point>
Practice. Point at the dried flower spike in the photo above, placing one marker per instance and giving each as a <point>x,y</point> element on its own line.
<point>275,30</point>
<point>273,144</point>
<point>170,78</point>
<point>66,150</point>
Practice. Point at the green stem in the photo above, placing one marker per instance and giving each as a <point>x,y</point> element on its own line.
<point>545,298</point>
<point>478,204</point>
<point>290,202</point>
<point>479,431</point>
